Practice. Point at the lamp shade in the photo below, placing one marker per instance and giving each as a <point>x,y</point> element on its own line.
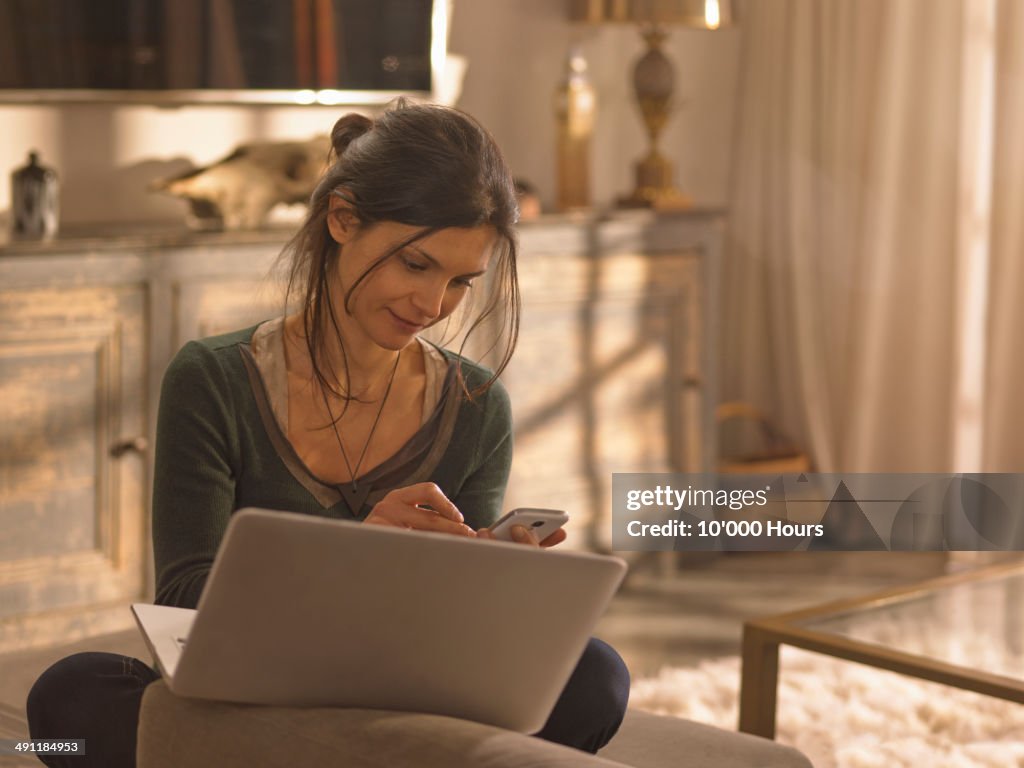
<point>701,14</point>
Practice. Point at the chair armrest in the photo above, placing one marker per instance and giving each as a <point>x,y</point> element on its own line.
<point>176,732</point>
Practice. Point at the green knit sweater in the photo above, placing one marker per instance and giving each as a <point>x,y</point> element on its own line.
<point>217,452</point>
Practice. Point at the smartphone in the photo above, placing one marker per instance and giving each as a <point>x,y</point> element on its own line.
<point>543,522</point>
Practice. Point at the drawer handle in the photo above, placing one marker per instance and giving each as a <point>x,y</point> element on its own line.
<point>137,445</point>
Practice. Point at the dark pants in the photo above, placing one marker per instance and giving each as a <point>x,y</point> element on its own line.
<point>97,696</point>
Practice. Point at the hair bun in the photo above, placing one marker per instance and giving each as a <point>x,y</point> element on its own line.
<point>348,129</point>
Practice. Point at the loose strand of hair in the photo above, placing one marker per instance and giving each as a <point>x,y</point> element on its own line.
<point>345,395</point>
<point>509,321</point>
<point>380,260</point>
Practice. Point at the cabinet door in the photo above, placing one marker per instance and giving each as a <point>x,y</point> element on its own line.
<point>209,290</point>
<point>73,502</point>
<point>217,305</point>
<point>597,380</point>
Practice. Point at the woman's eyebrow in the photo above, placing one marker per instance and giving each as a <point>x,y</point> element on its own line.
<point>437,263</point>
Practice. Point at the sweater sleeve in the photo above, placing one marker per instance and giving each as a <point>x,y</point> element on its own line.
<point>193,479</point>
<point>481,496</point>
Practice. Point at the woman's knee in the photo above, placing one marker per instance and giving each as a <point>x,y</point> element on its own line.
<point>92,696</point>
<point>50,700</point>
<point>604,676</point>
<point>73,691</point>
<point>593,703</point>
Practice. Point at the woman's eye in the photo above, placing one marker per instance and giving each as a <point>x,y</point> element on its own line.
<point>463,282</point>
<point>415,266</point>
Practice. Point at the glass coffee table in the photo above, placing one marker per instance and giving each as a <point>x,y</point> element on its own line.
<point>965,630</point>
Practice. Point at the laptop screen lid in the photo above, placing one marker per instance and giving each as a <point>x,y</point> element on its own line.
<point>301,610</point>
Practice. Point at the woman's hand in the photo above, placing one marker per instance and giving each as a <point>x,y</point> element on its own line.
<point>523,535</point>
<point>422,507</point>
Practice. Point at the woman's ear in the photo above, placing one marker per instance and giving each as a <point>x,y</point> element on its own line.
<point>342,221</point>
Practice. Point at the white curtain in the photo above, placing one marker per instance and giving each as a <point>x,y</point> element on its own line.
<point>853,224</point>
<point>1004,401</point>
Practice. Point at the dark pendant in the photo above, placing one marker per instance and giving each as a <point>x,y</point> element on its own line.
<point>355,497</point>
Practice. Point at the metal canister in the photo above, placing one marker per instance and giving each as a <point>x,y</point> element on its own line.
<point>35,201</point>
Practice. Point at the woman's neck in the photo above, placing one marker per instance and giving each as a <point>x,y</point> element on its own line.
<point>357,367</point>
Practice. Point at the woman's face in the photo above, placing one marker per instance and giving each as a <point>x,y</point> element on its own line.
<point>417,287</point>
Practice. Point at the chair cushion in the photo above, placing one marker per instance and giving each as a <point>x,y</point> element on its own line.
<point>176,732</point>
<point>655,741</point>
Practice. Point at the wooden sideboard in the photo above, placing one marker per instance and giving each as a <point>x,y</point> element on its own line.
<point>613,373</point>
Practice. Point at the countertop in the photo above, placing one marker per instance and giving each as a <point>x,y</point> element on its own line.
<point>155,235</point>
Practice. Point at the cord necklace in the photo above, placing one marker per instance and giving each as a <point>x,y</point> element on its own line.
<point>334,425</point>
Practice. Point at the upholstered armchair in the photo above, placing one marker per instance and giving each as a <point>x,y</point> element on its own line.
<point>175,732</point>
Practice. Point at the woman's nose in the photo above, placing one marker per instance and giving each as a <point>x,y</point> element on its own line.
<point>429,299</point>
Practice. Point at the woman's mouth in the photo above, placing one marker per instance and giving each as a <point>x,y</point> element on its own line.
<point>406,325</point>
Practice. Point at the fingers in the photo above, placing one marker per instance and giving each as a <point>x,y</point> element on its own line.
<point>421,507</point>
<point>555,538</point>
<point>429,496</point>
<point>430,520</point>
<point>523,535</point>
<point>520,535</point>
<point>404,516</point>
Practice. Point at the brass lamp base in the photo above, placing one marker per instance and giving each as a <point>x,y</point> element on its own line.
<point>653,80</point>
<point>654,187</point>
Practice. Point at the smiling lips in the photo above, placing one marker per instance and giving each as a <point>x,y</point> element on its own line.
<point>406,324</point>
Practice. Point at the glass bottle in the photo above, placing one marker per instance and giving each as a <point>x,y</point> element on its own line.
<point>575,106</point>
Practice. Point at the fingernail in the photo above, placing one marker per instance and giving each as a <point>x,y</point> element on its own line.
<point>520,533</point>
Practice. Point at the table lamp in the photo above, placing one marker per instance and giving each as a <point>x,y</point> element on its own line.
<point>654,78</point>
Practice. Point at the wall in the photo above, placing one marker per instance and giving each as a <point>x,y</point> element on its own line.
<point>516,50</point>
<point>105,155</point>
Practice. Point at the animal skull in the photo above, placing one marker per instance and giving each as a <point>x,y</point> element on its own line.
<point>240,189</point>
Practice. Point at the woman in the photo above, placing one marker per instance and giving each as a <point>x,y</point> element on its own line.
<point>341,409</point>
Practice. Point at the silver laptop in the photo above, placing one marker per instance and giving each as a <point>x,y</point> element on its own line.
<point>304,611</point>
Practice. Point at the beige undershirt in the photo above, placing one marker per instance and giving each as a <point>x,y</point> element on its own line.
<point>267,348</point>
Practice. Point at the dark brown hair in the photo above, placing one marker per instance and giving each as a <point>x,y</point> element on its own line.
<point>422,165</point>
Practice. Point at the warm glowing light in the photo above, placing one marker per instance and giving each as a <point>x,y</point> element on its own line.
<point>712,15</point>
<point>438,43</point>
<point>328,96</point>
<point>305,97</point>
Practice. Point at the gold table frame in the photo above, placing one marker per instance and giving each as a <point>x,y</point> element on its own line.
<point>763,636</point>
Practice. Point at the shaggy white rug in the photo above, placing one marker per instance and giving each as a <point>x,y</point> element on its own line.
<point>844,715</point>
